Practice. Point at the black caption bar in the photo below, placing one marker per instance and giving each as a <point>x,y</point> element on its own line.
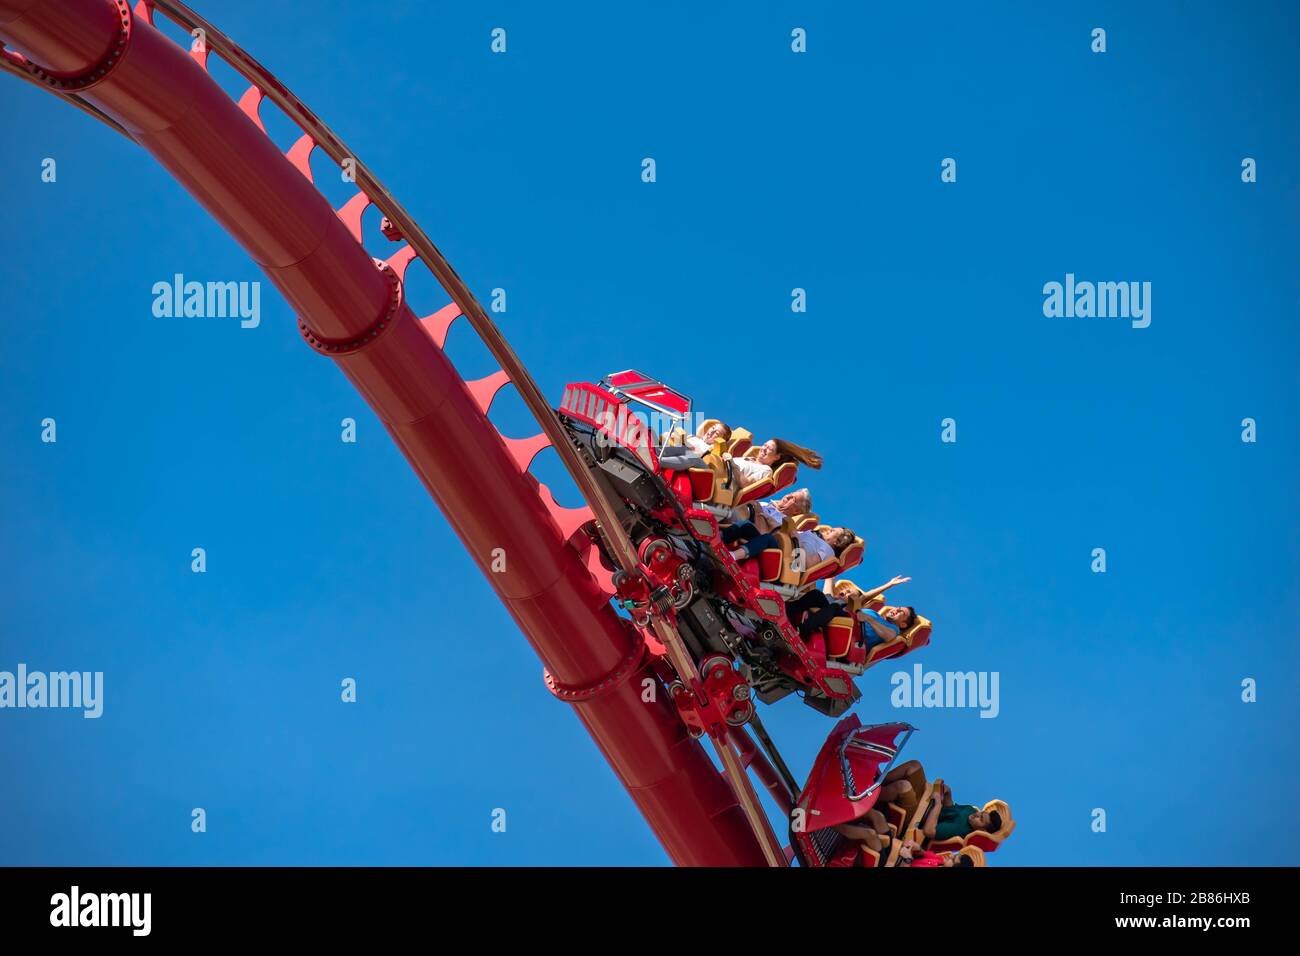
<point>238,904</point>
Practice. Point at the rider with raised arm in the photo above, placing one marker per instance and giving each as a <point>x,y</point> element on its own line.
<point>878,626</point>
<point>890,621</point>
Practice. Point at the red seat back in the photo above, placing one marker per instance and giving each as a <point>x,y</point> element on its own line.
<point>701,484</point>
<point>784,476</point>
<point>840,633</point>
<point>852,555</point>
<point>920,633</point>
<point>769,564</point>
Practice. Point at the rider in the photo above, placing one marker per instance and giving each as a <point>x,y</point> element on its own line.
<point>702,445</point>
<point>817,545</point>
<point>892,788</point>
<point>878,626</point>
<point>900,617</point>
<point>771,454</point>
<point>911,854</point>
<point>948,820</point>
<point>691,453</point>
<point>765,517</point>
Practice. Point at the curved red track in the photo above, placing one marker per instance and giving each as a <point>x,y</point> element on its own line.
<point>117,66</point>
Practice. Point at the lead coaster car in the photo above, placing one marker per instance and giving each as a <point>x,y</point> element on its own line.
<point>688,572</point>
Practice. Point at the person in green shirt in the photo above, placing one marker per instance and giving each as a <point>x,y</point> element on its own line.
<point>947,820</point>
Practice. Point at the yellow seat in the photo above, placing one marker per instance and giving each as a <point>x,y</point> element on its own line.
<point>742,439</point>
<point>804,522</point>
<point>839,637</point>
<point>729,494</point>
<point>674,436</point>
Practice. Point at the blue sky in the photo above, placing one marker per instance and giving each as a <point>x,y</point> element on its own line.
<point>1119,691</point>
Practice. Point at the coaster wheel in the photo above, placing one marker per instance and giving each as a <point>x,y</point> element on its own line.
<point>741,715</point>
<point>713,664</point>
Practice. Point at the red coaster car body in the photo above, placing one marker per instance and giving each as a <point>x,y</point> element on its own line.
<point>842,787</point>
<point>720,607</point>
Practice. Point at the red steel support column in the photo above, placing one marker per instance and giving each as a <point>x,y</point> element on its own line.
<point>173,108</point>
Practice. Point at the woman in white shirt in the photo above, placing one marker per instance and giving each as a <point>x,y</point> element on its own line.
<point>771,455</point>
<point>820,544</point>
<point>813,547</point>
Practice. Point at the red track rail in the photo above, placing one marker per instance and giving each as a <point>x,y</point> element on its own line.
<point>111,62</point>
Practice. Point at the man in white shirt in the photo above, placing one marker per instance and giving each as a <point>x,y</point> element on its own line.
<point>770,515</point>
<point>764,517</point>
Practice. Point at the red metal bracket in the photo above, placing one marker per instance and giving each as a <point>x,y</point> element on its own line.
<point>726,703</point>
<point>615,678</point>
<point>84,80</point>
<point>335,347</point>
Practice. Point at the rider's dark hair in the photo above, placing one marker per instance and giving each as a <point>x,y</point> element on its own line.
<point>995,822</point>
<point>789,451</point>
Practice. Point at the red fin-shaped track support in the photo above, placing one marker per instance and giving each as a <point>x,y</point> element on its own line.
<point>300,155</point>
<point>524,450</point>
<point>603,575</point>
<point>251,103</point>
<point>439,324</point>
<point>593,559</point>
<point>352,212</point>
<point>400,259</point>
<point>485,389</point>
<point>568,520</point>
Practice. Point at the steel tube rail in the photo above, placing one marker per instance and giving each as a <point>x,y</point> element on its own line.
<point>348,308</point>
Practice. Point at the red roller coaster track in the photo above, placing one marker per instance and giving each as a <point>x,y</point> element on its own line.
<point>106,58</point>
